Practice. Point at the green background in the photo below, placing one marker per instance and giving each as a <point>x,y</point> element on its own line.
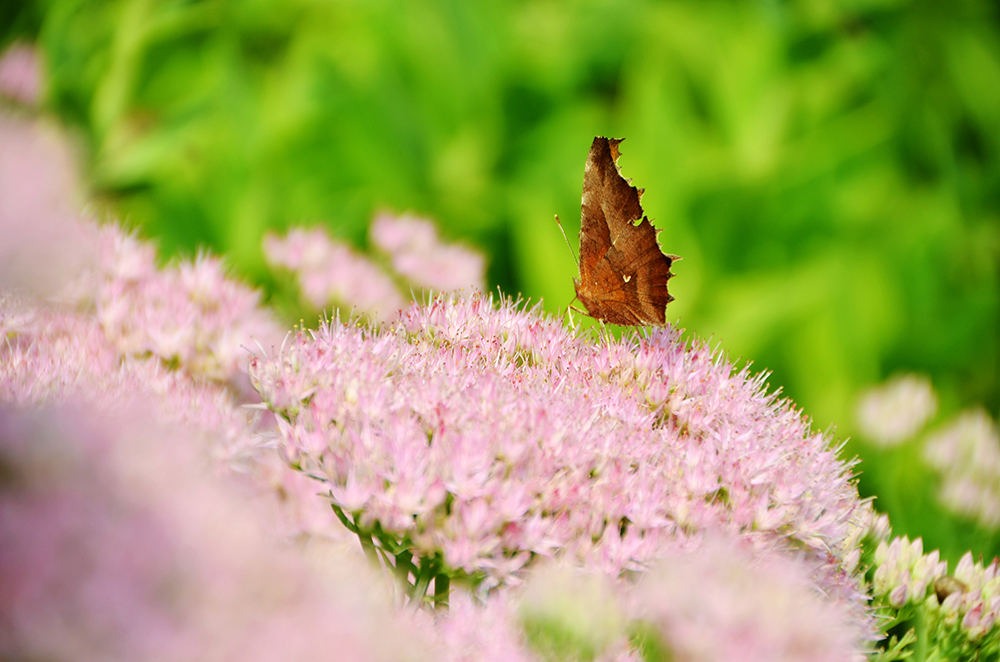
<point>828,169</point>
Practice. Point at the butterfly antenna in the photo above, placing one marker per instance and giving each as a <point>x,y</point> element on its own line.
<point>569,245</point>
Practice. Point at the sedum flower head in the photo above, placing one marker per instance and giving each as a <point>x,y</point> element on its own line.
<point>52,354</point>
<point>896,411</point>
<point>189,315</point>
<point>486,436</point>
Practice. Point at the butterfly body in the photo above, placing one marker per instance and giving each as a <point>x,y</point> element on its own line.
<point>623,272</point>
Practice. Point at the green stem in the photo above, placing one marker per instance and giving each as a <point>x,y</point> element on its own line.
<point>344,519</point>
<point>384,557</point>
<point>371,553</point>
<point>442,586</point>
<point>388,542</point>
<point>920,625</point>
<point>366,539</point>
<point>403,567</point>
<point>420,589</point>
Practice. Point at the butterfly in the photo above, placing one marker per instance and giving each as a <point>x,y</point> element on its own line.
<point>623,272</point>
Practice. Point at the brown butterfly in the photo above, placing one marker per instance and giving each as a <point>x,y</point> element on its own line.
<point>623,272</point>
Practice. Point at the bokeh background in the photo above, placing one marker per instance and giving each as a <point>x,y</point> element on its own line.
<point>828,169</point>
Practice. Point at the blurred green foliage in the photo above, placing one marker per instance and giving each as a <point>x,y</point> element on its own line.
<point>828,169</point>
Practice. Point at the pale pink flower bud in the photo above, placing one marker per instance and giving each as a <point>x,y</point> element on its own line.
<point>965,570</point>
<point>951,604</point>
<point>896,411</point>
<point>852,560</point>
<point>972,621</point>
<point>903,573</point>
<point>988,621</point>
<point>899,596</point>
<point>880,528</point>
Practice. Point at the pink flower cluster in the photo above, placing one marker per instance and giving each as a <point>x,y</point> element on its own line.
<point>188,314</point>
<point>726,603</point>
<point>967,603</point>
<point>52,355</point>
<point>418,254</point>
<point>120,325</point>
<point>490,436</point>
<point>331,272</point>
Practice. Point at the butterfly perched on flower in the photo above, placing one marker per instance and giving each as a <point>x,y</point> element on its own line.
<point>623,272</point>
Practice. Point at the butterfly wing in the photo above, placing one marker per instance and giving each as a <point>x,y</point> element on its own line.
<point>623,272</point>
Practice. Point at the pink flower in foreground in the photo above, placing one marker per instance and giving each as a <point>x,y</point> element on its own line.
<point>576,614</point>
<point>419,254</point>
<point>51,355</point>
<point>483,631</point>
<point>330,272</point>
<point>721,603</point>
<point>487,436</point>
<point>21,74</point>
<point>712,600</point>
<point>118,542</point>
